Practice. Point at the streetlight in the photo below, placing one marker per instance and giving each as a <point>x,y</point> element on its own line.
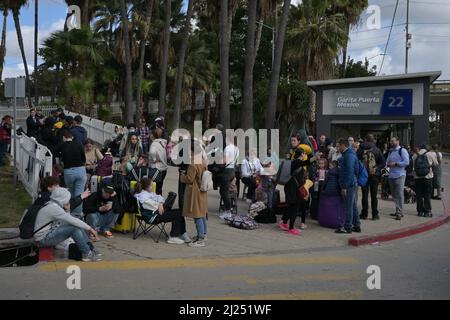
<point>273,36</point>
<point>380,54</point>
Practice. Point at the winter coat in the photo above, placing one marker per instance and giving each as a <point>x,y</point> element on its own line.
<point>79,134</point>
<point>348,169</point>
<point>331,184</point>
<point>195,202</point>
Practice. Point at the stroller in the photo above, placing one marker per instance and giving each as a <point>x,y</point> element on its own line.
<point>408,191</point>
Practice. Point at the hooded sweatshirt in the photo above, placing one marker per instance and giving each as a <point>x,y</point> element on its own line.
<point>54,214</point>
<point>79,134</point>
<point>158,155</point>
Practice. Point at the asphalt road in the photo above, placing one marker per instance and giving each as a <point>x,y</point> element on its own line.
<point>412,268</point>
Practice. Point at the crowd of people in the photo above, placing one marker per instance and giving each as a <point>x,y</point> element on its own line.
<point>322,175</point>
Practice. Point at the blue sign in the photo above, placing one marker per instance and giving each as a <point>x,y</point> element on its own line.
<point>397,102</point>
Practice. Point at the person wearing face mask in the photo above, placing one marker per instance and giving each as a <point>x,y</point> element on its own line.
<point>54,225</point>
<point>33,124</point>
<point>74,160</point>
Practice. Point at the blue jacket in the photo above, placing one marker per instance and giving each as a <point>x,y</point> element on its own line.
<point>348,169</point>
<point>79,134</point>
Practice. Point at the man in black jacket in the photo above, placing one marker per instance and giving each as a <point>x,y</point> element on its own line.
<point>102,209</point>
<point>368,151</point>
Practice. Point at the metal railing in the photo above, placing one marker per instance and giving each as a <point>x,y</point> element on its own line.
<point>33,162</point>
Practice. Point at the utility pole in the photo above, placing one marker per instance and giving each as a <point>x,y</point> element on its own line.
<point>408,37</point>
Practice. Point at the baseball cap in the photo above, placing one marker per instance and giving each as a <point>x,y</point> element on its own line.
<point>108,187</point>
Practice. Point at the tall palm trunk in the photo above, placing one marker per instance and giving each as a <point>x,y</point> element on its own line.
<point>36,48</point>
<point>224,64</point>
<point>3,44</point>
<point>275,78</point>
<point>344,52</point>
<point>247,106</point>
<point>181,62</point>
<point>129,110</point>
<point>140,73</point>
<point>207,113</point>
<point>165,59</point>
<point>85,14</point>
<point>22,51</point>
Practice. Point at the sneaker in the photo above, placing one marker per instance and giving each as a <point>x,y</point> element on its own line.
<point>396,214</point>
<point>375,218</point>
<point>363,217</point>
<point>420,214</point>
<point>428,215</point>
<point>197,244</point>
<point>108,235</point>
<point>97,253</point>
<point>398,217</point>
<point>343,231</point>
<point>91,257</point>
<point>294,232</point>
<point>225,215</point>
<point>283,226</point>
<point>175,240</point>
<point>185,238</point>
<point>303,226</point>
<point>356,229</point>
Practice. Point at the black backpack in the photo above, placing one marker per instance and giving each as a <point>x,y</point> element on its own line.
<point>422,166</point>
<point>28,222</point>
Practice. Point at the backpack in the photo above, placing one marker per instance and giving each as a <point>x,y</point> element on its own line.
<point>362,174</point>
<point>28,222</point>
<point>422,166</point>
<point>206,182</point>
<point>284,172</point>
<point>242,222</point>
<point>370,162</point>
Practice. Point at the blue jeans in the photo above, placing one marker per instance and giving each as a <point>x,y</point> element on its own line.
<point>102,222</point>
<point>200,224</point>
<point>75,179</point>
<point>64,232</point>
<point>351,209</point>
<point>3,149</point>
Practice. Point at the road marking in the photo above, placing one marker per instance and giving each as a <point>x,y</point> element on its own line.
<point>279,280</point>
<point>319,295</point>
<point>201,263</point>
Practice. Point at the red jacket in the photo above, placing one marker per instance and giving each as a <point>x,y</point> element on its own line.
<point>4,136</point>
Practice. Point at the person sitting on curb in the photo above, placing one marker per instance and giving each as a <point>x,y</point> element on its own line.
<point>102,210</point>
<point>155,211</point>
<point>54,224</point>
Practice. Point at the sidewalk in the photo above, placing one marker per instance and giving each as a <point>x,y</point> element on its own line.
<point>224,240</point>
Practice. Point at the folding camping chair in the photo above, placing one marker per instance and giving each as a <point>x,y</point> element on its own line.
<point>143,226</point>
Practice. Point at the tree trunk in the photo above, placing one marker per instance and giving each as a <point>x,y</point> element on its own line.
<point>275,78</point>
<point>36,48</point>
<point>3,44</point>
<point>165,58</point>
<point>258,38</point>
<point>140,74</point>
<point>344,52</point>
<point>85,14</point>
<point>193,102</point>
<point>224,64</point>
<point>207,113</point>
<point>247,106</point>
<point>22,51</point>
<point>129,112</point>
<point>181,62</point>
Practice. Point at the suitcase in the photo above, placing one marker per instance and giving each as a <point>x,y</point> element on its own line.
<point>18,254</point>
<point>94,183</point>
<point>331,212</point>
<point>127,221</point>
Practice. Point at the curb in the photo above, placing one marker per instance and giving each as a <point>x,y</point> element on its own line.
<point>407,231</point>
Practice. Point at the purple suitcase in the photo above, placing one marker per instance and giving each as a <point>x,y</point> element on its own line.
<point>331,211</point>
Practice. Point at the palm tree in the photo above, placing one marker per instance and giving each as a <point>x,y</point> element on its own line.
<point>352,10</point>
<point>181,63</point>
<point>79,90</point>
<point>36,49</point>
<point>15,6</point>
<point>314,40</point>
<point>275,77</point>
<point>247,105</point>
<point>224,43</point>
<point>129,109</point>
<point>165,59</point>
<point>140,73</point>
<point>3,41</point>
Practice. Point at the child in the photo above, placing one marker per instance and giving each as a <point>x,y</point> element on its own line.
<point>195,201</point>
<point>331,210</point>
<point>318,176</point>
<point>156,209</point>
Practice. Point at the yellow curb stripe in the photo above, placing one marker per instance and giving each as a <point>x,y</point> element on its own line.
<point>319,295</point>
<point>200,263</point>
<point>279,280</point>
